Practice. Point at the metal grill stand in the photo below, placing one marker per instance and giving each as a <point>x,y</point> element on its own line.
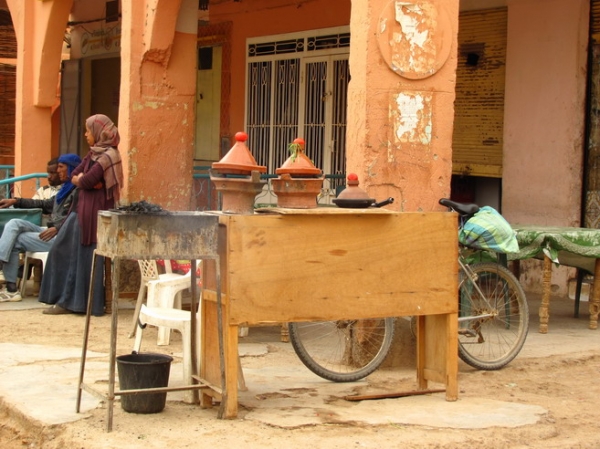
<point>126,235</point>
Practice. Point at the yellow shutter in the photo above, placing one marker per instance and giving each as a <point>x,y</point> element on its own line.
<point>595,20</point>
<point>479,104</point>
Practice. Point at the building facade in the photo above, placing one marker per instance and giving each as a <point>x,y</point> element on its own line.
<point>501,119</point>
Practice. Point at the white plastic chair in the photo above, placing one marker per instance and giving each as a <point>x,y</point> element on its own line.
<point>149,272</point>
<point>170,318</point>
<point>43,256</point>
<point>166,294</point>
<point>180,320</point>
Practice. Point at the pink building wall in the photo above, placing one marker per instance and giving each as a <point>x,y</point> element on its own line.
<point>544,118</point>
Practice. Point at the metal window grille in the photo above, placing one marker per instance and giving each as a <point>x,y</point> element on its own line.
<point>297,87</point>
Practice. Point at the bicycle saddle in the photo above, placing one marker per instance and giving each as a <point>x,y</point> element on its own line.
<point>461,208</point>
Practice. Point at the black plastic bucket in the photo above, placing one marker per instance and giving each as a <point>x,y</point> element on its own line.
<point>138,371</point>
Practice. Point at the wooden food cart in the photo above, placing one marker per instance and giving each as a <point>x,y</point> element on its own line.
<point>286,265</point>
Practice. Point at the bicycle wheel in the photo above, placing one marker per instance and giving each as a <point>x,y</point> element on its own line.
<point>343,350</point>
<point>493,316</point>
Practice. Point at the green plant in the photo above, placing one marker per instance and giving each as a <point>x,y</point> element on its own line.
<point>295,148</point>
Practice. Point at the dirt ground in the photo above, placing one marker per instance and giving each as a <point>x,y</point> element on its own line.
<point>563,385</point>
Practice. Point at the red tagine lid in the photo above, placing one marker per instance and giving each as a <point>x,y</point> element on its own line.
<point>238,160</point>
<point>298,163</point>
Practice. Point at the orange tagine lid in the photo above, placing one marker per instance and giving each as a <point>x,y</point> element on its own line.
<point>298,163</point>
<point>238,160</point>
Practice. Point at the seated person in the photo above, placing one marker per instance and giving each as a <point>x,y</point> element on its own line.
<point>21,235</point>
<point>54,182</point>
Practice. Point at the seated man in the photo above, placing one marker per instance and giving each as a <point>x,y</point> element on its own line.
<point>54,182</point>
<point>21,235</point>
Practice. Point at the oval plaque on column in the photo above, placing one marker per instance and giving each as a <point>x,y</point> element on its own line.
<point>414,37</point>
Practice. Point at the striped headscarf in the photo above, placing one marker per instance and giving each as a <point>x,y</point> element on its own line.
<point>105,152</point>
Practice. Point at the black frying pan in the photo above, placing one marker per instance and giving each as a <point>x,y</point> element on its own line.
<point>361,203</point>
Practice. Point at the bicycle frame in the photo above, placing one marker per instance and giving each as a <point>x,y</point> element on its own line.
<point>473,277</point>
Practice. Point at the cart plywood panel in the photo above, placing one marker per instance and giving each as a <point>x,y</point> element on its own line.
<point>335,266</point>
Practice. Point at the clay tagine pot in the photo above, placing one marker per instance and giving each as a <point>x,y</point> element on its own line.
<point>237,178</point>
<point>299,182</point>
<point>297,193</point>
<point>238,160</point>
<point>298,164</point>
<point>238,193</point>
<point>353,196</point>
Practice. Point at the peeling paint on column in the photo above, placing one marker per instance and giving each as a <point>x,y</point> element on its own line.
<point>410,16</point>
<point>382,25</point>
<point>153,104</point>
<point>160,56</point>
<point>137,106</point>
<point>133,169</point>
<point>414,37</point>
<point>411,118</point>
<point>411,47</point>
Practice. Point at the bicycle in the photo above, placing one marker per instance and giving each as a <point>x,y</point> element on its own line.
<point>493,323</point>
<point>493,313</point>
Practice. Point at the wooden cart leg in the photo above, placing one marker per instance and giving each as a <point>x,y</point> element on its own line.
<point>240,373</point>
<point>451,357</point>
<point>421,353</point>
<point>437,336</point>
<point>544,313</point>
<point>232,367</point>
<point>285,333</point>
<point>595,299</point>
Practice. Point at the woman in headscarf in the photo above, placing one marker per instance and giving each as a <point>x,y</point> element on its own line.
<point>98,178</point>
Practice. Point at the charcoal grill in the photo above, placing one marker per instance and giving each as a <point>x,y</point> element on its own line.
<point>150,235</point>
<point>157,235</point>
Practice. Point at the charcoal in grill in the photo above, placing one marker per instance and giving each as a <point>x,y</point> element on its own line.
<point>142,207</point>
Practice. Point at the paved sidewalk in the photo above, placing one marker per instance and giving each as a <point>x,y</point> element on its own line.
<point>40,382</point>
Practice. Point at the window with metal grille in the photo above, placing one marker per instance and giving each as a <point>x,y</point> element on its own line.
<point>297,87</point>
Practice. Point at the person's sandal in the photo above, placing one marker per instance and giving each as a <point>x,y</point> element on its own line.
<point>56,310</point>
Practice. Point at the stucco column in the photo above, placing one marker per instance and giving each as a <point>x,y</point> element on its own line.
<point>156,112</point>
<point>401,99</point>
<point>40,28</point>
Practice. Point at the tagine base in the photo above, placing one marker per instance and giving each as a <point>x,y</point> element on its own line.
<point>238,194</point>
<point>297,193</point>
